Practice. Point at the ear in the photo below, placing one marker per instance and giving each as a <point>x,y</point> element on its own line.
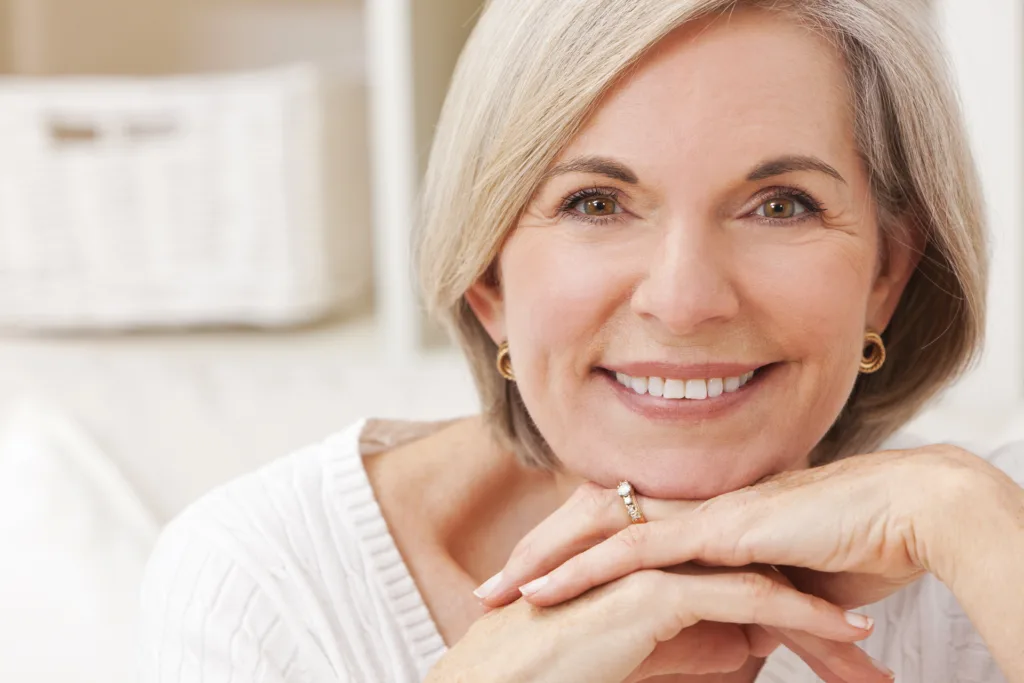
<point>486,300</point>
<point>903,253</point>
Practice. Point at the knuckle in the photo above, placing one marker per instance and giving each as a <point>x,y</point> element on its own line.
<point>521,554</point>
<point>631,542</point>
<point>588,496</point>
<point>759,586</point>
<point>632,538</point>
<point>601,505</point>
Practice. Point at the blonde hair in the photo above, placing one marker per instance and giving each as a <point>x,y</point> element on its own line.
<point>534,70</point>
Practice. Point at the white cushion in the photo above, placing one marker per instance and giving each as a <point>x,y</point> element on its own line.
<point>73,542</point>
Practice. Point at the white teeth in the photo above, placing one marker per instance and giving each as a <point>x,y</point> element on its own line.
<point>692,389</point>
<point>696,389</point>
<point>675,388</point>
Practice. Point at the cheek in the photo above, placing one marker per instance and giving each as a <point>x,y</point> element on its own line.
<point>560,295</point>
<point>816,293</point>
<point>812,300</point>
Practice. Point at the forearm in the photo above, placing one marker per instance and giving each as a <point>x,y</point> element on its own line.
<point>984,568</point>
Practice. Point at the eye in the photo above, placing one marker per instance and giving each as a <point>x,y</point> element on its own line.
<point>598,206</point>
<point>780,208</point>
<point>595,205</point>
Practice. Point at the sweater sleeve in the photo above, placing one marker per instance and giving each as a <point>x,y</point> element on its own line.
<point>206,619</point>
<point>285,575</point>
<point>236,588</point>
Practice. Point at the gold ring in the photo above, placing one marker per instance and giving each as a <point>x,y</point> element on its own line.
<point>625,491</point>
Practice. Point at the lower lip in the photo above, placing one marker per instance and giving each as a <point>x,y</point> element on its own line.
<point>670,409</point>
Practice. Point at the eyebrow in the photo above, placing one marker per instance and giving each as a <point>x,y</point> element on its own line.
<point>790,164</point>
<point>767,169</point>
<point>597,165</point>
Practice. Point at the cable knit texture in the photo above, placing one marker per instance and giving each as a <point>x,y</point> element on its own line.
<point>289,574</point>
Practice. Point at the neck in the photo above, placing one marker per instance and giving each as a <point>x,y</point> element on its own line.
<point>494,501</point>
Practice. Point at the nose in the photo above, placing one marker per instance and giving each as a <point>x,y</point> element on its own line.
<point>689,283</point>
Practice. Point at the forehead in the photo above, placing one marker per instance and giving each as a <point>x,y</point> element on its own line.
<point>736,87</point>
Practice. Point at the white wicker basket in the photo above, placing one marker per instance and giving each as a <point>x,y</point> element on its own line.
<point>175,201</point>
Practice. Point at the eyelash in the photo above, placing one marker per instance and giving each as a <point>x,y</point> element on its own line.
<point>813,207</point>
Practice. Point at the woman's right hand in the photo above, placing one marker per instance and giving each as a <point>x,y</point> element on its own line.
<point>688,619</point>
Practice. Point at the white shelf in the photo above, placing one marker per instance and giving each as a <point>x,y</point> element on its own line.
<point>392,116</point>
<point>412,50</point>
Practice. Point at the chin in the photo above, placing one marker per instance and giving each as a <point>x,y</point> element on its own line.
<point>694,476</point>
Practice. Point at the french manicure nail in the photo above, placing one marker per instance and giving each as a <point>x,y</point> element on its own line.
<point>488,586</point>
<point>883,668</point>
<point>859,620</point>
<point>533,586</point>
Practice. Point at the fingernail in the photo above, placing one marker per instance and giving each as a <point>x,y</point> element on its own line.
<point>859,620</point>
<point>533,586</point>
<point>488,586</point>
<point>882,667</point>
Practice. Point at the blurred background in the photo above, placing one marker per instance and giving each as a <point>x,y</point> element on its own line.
<point>204,218</point>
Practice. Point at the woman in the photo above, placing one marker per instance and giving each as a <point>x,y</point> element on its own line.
<point>705,258</point>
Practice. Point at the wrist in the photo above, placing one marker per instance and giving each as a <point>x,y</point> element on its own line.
<point>975,515</point>
<point>979,561</point>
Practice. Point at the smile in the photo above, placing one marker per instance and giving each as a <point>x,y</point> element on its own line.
<point>684,389</point>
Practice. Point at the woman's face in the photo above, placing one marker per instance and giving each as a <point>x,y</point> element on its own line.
<point>711,220</point>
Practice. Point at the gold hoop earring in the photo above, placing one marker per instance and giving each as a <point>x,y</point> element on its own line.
<point>875,358</point>
<point>504,362</point>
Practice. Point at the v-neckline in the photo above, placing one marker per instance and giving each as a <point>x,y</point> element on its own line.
<point>404,598</point>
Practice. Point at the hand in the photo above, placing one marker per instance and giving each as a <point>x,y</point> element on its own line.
<point>851,532</point>
<point>685,620</point>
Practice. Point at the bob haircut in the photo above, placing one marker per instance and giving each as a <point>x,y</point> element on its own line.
<point>534,70</point>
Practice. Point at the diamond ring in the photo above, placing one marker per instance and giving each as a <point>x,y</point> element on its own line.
<point>625,491</point>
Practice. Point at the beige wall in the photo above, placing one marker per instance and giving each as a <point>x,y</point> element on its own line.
<point>5,36</point>
<point>441,28</point>
<point>93,36</point>
<point>165,36</point>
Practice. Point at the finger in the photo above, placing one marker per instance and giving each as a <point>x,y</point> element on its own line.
<point>591,515</point>
<point>816,665</point>
<point>762,642</point>
<point>847,589</point>
<point>734,597</point>
<point>693,537</point>
<point>705,648</point>
<point>580,523</point>
<point>835,662</point>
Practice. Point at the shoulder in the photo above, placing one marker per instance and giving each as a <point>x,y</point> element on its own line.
<point>267,517</point>
<point>266,578</point>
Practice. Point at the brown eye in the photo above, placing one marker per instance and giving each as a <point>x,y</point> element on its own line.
<point>598,206</point>
<point>781,208</point>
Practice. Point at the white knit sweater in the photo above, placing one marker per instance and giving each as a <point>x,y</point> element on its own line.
<point>290,574</point>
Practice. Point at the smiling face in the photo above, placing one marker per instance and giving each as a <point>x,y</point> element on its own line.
<point>712,219</point>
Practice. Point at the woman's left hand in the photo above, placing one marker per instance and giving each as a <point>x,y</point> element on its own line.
<point>851,532</point>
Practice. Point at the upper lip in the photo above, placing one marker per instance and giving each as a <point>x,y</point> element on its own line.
<point>676,371</point>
